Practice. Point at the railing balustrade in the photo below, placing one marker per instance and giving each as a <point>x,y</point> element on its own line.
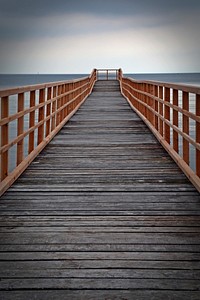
<point>107,74</point>
<point>172,112</point>
<point>38,112</point>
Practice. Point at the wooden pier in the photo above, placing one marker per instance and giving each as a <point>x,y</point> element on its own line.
<point>103,212</point>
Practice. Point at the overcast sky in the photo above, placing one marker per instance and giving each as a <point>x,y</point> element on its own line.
<point>75,36</point>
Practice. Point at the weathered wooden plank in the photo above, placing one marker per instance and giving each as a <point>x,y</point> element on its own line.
<point>127,218</point>
<point>102,283</point>
<point>159,256</point>
<point>77,224</point>
<point>99,206</point>
<point>185,196</point>
<point>98,273</point>
<point>95,221</point>
<point>99,237</point>
<point>34,199</point>
<point>119,213</point>
<point>101,247</point>
<point>100,294</point>
<point>100,264</point>
<point>102,229</point>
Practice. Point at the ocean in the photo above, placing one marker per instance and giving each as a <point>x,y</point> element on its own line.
<point>185,78</point>
<point>16,80</point>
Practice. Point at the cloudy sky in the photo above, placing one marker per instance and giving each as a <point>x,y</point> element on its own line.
<point>75,36</point>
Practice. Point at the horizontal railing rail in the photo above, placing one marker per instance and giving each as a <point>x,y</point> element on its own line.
<point>172,112</point>
<point>31,116</point>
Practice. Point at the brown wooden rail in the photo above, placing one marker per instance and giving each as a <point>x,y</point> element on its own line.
<point>165,108</point>
<point>50,106</point>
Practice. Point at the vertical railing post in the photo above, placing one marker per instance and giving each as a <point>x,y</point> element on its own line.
<point>167,115</point>
<point>175,121</point>
<point>152,103</point>
<point>144,99</point>
<point>68,98</point>
<point>185,127</point>
<point>41,116</point>
<point>143,108</point>
<point>31,122</point>
<point>148,102</point>
<point>58,115</point>
<point>161,110</point>
<point>53,121</point>
<point>198,134</point>
<point>20,129</point>
<point>4,137</point>
<point>156,106</point>
<point>95,74</point>
<point>48,112</point>
<point>119,75</point>
<point>91,82</point>
<point>65,100</point>
<point>62,103</point>
<point>74,96</point>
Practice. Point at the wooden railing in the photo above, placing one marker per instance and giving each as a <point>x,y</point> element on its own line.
<point>172,112</point>
<point>37,112</point>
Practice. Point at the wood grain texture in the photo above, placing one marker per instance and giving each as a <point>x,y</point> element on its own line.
<point>102,213</point>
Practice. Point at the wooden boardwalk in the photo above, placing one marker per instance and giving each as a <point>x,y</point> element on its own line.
<point>102,213</point>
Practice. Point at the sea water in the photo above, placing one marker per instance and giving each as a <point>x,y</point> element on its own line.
<point>14,80</point>
<point>182,78</point>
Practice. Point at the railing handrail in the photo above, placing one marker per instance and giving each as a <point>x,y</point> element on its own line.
<point>178,86</point>
<point>108,69</point>
<point>157,103</point>
<point>51,105</point>
<point>28,88</point>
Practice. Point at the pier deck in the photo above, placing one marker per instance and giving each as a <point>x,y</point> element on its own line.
<point>102,213</point>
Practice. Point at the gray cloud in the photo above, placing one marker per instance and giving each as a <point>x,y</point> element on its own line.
<point>116,7</point>
<point>28,18</point>
<point>25,22</point>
